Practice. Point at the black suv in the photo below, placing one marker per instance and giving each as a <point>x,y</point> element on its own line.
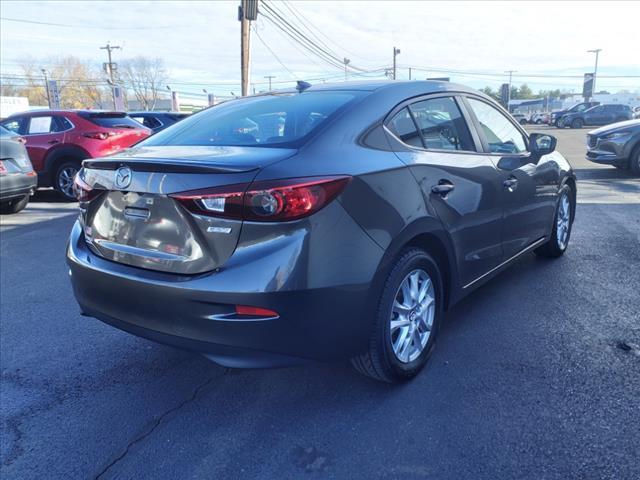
<point>157,121</point>
<point>578,108</point>
<point>600,115</point>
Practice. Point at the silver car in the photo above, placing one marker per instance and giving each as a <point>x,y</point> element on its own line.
<point>17,178</point>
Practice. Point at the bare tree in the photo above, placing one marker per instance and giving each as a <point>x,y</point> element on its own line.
<point>79,84</point>
<point>145,77</point>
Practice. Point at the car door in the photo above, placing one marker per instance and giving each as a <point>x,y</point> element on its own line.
<point>43,132</point>
<point>596,116</point>
<point>459,183</point>
<point>527,187</point>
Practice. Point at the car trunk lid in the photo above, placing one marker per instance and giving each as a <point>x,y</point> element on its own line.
<point>135,221</point>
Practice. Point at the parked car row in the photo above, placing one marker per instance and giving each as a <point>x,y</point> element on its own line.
<point>57,141</point>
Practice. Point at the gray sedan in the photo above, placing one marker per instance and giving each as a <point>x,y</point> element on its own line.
<point>17,178</point>
<point>326,222</point>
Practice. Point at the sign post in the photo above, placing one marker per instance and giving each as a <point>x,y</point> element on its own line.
<point>54,94</point>
<point>587,86</point>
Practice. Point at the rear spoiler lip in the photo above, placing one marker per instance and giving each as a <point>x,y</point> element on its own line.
<point>165,166</point>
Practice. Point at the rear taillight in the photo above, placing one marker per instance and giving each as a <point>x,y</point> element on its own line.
<point>97,135</point>
<point>265,201</point>
<point>83,191</point>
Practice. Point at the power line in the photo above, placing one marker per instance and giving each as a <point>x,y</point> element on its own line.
<point>276,17</point>
<point>272,52</point>
<point>66,25</point>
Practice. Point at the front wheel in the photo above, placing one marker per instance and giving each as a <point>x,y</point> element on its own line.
<point>577,123</point>
<point>562,223</point>
<point>15,205</point>
<point>63,180</point>
<point>407,320</point>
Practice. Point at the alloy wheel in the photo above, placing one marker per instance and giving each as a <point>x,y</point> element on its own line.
<point>65,180</point>
<point>563,221</point>
<point>412,315</point>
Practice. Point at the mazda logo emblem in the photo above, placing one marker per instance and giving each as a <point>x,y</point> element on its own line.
<point>123,178</point>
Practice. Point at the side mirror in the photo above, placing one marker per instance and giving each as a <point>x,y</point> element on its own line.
<point>542,144</point>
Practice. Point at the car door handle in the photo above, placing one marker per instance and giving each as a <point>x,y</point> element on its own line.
<point>510,184</point>
<point>53,142</point>
<point>443,187</point>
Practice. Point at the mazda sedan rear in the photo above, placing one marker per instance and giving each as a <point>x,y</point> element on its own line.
<point>337,221</point>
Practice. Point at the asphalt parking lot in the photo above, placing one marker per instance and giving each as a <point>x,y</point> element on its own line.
<point>535,376</point>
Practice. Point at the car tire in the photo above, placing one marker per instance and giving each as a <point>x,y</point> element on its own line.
<point>634,161</point>
<point>559,240</point>
<point>538,122</point>
<point>14,206</point>
<point>63,178</point>
<point>382,360</point>
<point>577,123</point>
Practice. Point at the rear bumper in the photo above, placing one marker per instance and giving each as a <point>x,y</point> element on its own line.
<point>12,186</point>
<point>324,322</point>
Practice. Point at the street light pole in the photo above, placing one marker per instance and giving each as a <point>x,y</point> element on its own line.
<point>46,86</point>
<point>595,70</point>
<point>396,52</point>
<point>110,64</point>
<point>510,72</point>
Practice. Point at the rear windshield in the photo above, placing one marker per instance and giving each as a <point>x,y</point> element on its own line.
<point>110,119</point>
<point>278,120</point>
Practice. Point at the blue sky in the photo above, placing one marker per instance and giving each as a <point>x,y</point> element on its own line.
<point>199,41</point>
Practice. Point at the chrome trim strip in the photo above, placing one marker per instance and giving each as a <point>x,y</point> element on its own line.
<point>521,252</point>
<point>140,252</point>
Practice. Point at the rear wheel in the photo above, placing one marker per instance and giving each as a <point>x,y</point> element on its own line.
<point>577,123</point>
<point>407,320</point>
<point>63,178</point>
<point>563,221</point>
<point>14,205</point>
<point>634,161</point>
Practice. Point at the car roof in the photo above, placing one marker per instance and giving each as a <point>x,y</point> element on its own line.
<point>425,86</point>
<point>32,113</point>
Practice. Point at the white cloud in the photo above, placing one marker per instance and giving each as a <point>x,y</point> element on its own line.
<point>199,41</point>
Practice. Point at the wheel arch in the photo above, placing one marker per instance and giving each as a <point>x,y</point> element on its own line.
<point>65,152</point>
<point>427,234</point>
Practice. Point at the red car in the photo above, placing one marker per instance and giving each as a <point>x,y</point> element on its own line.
<point>58,141</point>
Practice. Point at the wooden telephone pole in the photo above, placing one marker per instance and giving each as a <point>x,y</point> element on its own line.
<point>247,12</point>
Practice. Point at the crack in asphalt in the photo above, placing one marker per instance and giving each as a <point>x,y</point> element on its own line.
<point>155,425</point>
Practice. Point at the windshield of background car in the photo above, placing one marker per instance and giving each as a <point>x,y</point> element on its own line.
<point>278,120</point>
<point>6,133</point>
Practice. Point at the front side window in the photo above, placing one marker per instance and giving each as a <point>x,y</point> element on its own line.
<point>442,125</point>
<point>403,127</point>
<point>276,120</point>
<point>501,135</point>
<point>14,126</point>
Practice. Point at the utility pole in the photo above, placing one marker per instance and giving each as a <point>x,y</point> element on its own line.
<point>409,73</point>
<point>109,70</point>
<point>510,72</point>
<point>247,11</point>
<point>595,70</point>
<point>346,62</point>
<point>396,52</point>
<point>46,86</point>
<point>270,77</point>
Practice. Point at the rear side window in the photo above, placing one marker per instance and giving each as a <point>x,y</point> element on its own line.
<point>149,122</point>
<point>404,128</point>
<point>442,125</point>
<point>110,119</point>
<point>62,124</point>
<point>501,135</point>
<point>39,125</point>
<point>277,120</point>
